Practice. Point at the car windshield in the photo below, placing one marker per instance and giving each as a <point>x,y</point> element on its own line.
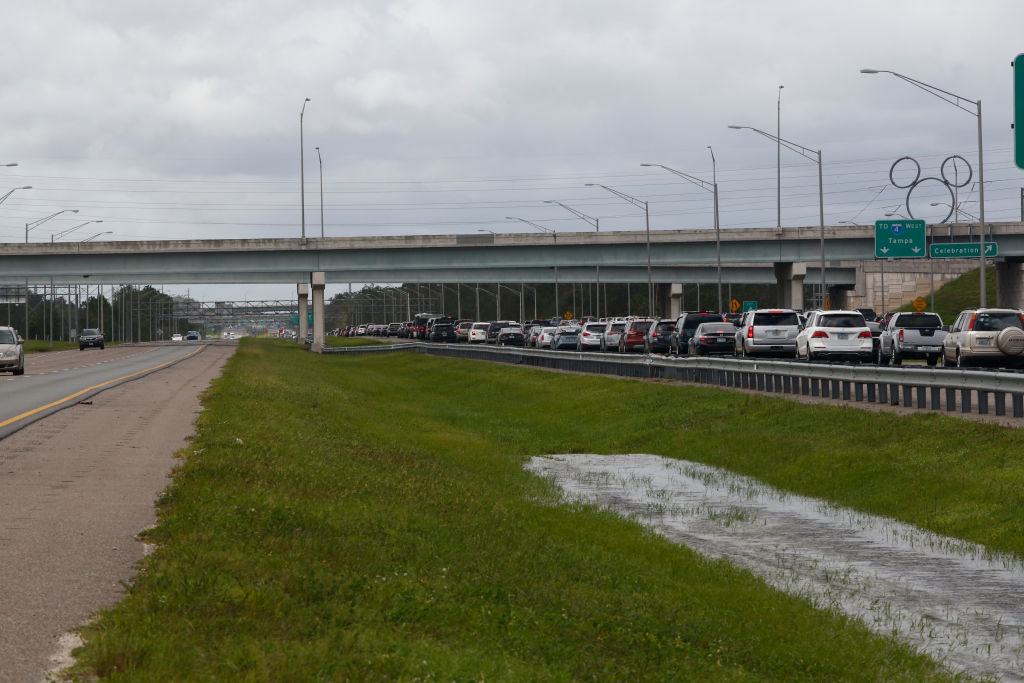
<point>6,337</point>
<point>641,325</point>
<point>595,327</point>
<point>841,320</point>
<point>666,325</point>
<point>442,328</point>
<point>928,321</point>
<point>720,328</point>
<point>90,332</point>
<point>992,322</point>
<point>692,321</point>
<point>779,318</point>
<point>617,327</point>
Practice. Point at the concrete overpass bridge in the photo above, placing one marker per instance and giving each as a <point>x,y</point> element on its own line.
<point>788,257</point>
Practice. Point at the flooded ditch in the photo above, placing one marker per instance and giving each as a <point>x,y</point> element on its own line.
<point>955,600</point>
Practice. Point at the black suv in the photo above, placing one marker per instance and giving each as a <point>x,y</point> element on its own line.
<point>90,337</point>
<point>679,342</point>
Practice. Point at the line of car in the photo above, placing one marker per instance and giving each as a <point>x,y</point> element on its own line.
<point>979,336</point>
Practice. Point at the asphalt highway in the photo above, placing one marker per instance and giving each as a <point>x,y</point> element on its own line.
<point>53,381</point>
<point>77,485</point>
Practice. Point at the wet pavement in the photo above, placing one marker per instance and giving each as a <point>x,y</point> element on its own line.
<point>954,600</point>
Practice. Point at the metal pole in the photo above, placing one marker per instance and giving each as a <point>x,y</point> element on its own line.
<point>650,282</point>
<point>821,209</point>
<point>321,191</point>
<point>981,199</point>
<point>778,156</point>
<point>302,168</point>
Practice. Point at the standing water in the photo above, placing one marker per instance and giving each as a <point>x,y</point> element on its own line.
<point>955,600</point>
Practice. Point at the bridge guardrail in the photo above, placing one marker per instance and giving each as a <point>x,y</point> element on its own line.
<point>964,391</point>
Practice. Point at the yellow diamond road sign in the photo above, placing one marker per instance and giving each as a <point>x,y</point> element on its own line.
<point>920,304</point>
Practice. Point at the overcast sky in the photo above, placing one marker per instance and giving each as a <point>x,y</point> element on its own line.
<point>172,120</point>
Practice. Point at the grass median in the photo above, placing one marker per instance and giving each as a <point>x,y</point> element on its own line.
<point>369,518</point>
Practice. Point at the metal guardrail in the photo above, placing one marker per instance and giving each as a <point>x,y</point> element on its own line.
<point>951,390</point>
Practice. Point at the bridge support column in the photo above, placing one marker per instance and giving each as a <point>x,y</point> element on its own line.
<point>1009,283</point>
<point>790,278</point>
<point>675,300</point>
<point>319,280</point>
<point>303,294</point>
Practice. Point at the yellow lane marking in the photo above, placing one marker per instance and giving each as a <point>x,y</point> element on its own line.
<point>96,386</point>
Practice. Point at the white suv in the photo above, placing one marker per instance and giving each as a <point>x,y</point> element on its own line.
<point>768,331</point>
<point>984,334</point>
<point>835,334</point>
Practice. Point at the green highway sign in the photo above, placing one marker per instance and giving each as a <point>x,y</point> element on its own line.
<point>749,306</point>
<point>962,250</point>
<point>900,239</point>
<point>1018,110</point>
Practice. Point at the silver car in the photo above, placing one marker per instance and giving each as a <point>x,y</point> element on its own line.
<point>12,354</point>
<point>985,335</point>
<point>768,331</point>
<point>612,334</point>
<point>591,335</point>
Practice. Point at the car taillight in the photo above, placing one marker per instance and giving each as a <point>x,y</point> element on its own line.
<point>703,338</point>
<point>750,332</point>
<point>866,334</point>
<point>970,325</point>
<point>820,334</point>
<point>900,335</point>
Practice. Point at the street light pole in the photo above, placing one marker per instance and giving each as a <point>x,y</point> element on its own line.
<point>955,100</point>
<point>302,168</point>
<point>596,222</point>
<point>778,155</point>
<point>554,239</point>
<point>8,194</point>
<point>806,153</point>
<point>713,188</point>
<point>58,235</point>
<point>321,191</point>
<point>647,222</point>
<point>29,226</point>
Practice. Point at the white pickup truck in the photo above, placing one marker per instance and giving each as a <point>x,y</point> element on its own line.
<point>911,335</point>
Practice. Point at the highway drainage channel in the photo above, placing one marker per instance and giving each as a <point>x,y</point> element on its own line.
<point>954,600</point>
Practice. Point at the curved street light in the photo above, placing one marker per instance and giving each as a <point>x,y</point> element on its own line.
<point>647,222</point>
<point>713,188</point>
<point>32,225</point>
<point>806,153</point>
<point>105,232</point>
<point>58,235</point>
<point>24,187</point>
<point>955,100</point>
<point>302,168</point>
<point>596,222</point>
<point>554,238</point>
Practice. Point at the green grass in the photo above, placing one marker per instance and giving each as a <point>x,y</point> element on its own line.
<point>374,522</point>
<point>42,346</point>
<point>961,293</point>
<point>345,342</point>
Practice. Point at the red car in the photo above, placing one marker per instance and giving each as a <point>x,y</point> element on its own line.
<point>633,334</point>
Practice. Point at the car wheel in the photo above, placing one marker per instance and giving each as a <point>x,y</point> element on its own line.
<point>101,347</point>
<point>933,360</point>
<point>81,347</point>
<point>962,362</point>
<point>897,359</point>
<point>20,370</point>
<point>946,363</point>
<point>622,346</point>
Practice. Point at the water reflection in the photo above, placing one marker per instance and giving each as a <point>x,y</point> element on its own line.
<point>952,599</point>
